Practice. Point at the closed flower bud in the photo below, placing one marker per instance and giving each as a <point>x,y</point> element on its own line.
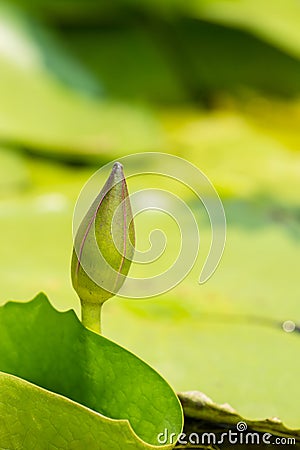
<point>103,247</point>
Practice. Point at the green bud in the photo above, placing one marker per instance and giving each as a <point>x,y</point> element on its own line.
<point>103,247</point>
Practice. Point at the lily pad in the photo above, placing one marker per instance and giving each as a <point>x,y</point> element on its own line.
<point>274,21</point>
<point>148,71</point>
<point>45,113</point>
<point>30,45</point>
<point>76,382</point>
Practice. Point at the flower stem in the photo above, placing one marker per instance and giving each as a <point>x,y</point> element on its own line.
<point>91,316</point>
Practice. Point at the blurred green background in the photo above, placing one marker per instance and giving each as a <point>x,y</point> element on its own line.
<point>217,82</point>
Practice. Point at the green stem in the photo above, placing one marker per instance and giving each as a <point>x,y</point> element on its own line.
<point>91,316</point>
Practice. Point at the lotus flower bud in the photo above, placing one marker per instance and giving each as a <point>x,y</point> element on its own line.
<point>103,247</point>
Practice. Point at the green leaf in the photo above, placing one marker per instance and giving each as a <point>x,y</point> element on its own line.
<point>54,351</point>
<point>29,44</point>
<point>273,20</point>
<point>65,125</point>
<point>60,122</point>
<point>231,69</point>
<point>56,422</point>
<point>148,69</point>
<point>153,69</point>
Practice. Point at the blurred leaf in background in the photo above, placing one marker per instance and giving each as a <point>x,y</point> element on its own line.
<point>45,112</point>
<point>214,81</point>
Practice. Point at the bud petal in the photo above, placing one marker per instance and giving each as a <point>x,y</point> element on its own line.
<point>104,244</point>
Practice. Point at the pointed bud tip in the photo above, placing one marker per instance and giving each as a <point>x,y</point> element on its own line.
<point>117,167</point>
<point>115,176</point>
